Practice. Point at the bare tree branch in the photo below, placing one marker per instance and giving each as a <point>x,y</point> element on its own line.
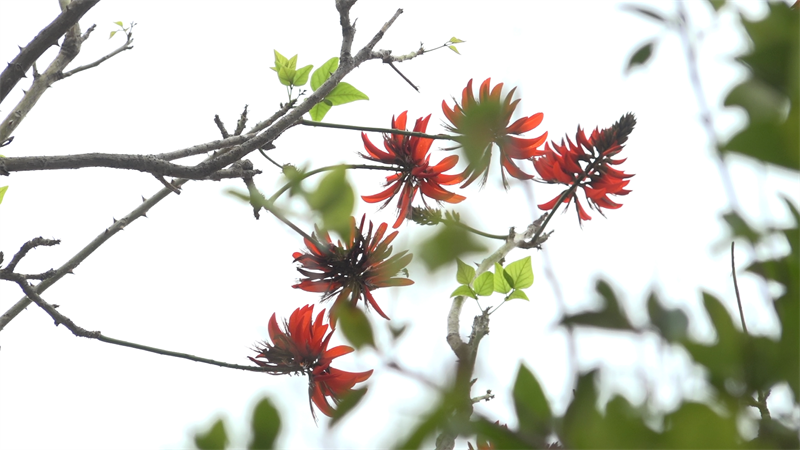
<point>70,48</point>
<point>50,35</point>
<point>143,163</point>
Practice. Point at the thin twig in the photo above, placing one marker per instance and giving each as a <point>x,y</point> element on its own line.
<point>705,110</point>
<point>736,288</point>
<point>310,123</point>
<point>61,319</point>
<point>404,77</point>
<point>126,46</point>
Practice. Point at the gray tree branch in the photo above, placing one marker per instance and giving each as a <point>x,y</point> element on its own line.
<point>49,35</point>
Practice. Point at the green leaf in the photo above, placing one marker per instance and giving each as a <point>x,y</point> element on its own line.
<point>3,193</point>
<point>717,4</point>
<point>465,273</point>
<point>741,228</point>
<point>453,48</point>
<point>501,283</point>
<point>355,326</point>
<point>285,75</point>
<point>484,284</point>
<point>334,200</point>
<point>215,438</point>
<point>610,316</point>
<point>350,401</point>
<point>112,34</point>
<point>640,56</point>
<point>456,40</point>
<point>265,425</point>
<point>294,176</point>
<point>345,93</point>
<point>464,290</point>
<point>449,243</point>
<point>671,323</point>
<point>301,76</point>
<point>324,72</point>
<point>319,110</point>
<point>533,410</point>
<point>516,293</point>
<point>119,23</point>
<point>521,272</point>
<point>292,63</point>
<point>280,61</point>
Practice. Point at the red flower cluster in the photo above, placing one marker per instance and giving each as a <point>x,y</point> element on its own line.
<point>302,347</point>
<point>483,122</point>
<point>414,171</point>
<point>598,179</point>
<point>352,271</point>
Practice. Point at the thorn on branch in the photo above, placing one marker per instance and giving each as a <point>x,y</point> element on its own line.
<point>168,185</point>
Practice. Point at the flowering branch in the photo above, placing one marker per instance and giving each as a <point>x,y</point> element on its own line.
<point>281,121</point>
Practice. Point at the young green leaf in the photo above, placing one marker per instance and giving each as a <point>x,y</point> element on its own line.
<point>3,193</point>
<point>640,56</point>
<point>285,74</point>
<point>453,48</point>
<point>464,290</point>
<point>215,438</point>
<point>484,284</point>
<point>119,23</point>
<point>533,410</point>
<point>334,200</point>
<point>265,425</point>
<point>516,293</point>
<point>456,40</point>
<point>292,63</point>
<point>521,272</point>
<point>345,93</point>
<point>465,273</point>
<point>280,61</point>
<point>319,110</point>
<point>301,76</point>
<point>501,284</point>
<point>112,34</point>
<point>355,326</point>
<point>350,401</point>
<point>324,72</point>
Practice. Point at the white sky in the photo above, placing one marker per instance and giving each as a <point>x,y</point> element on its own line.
<point>201,276</point>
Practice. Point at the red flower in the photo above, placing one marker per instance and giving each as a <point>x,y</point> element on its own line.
<point>352,271</point>
<point>302,347</point>
<point>599,179</point>
<point>414,172</point>
<point>481,123</point>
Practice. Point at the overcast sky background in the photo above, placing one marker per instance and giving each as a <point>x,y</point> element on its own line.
<point>201,276</point>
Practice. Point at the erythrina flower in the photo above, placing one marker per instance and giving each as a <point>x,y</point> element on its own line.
<point>483,122</point>
<point>302,347</point>
<point>353,270</point>
<point>410,155</point>
<point>598,179</point>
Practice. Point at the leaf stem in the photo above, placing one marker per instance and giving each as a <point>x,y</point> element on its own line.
<point>286,186</point>
<point>473,230</point>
